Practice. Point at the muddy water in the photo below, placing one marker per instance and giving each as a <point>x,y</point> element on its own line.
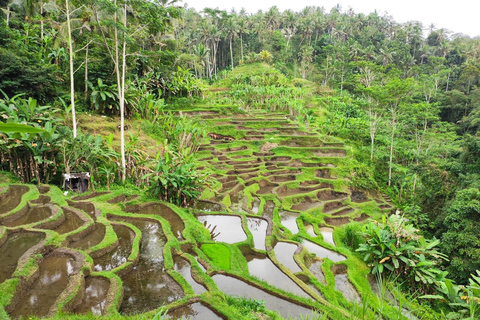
<point>35,214</point>
<point>255,205</point>
<point>228,228</point>
<point>309,229</point>
<point>268,209</point>
<point>148,286</point>
<point>72,222</point>
<point>16,245</point>
<point>316,269</point>
<point>239,288</point>
<point>327,234</point>
<point>208,206</point>
<point>343,285</point>
<point>41,200</point>
<point>307,205</point>
<point>176,223</point>
<point>183,267</point>
<point>289,220</point>
<point>52,280</point>
<point>11,199</point>
<point>266,188</point>
<point>89,196</point>
<point>194,311</point>
<point>258,228</point>
<point>284,252</point>
<point>322,252</point>
<point>86,207</point>
<point>94,301</point>
<point>237,199</point>
<point>91,239</point>
<point>119,255</point>
<point>266,270</point>
<point>336,221</point>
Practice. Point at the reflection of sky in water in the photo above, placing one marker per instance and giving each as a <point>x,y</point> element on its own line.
<point>310,231</point>
<point>266,270</point>
<point>237,287</point>
<point>153,242</point>
<point>183,267</point>
<point>322,252</point>
<point>327,234</point>
<point>289,221</point>
<point>229,228</point>
<point>284,252</point>
<point>258,228</point>
<point>195,311</point>
<point>50,276</point>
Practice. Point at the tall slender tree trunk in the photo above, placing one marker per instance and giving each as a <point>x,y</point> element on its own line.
<point>373,130</point>
<point>121,84</point>
<point>372,140</point>
<point>72,80</point>
<point>8,16</point>
<point>122,99</point>
<point>231,52</point>
<point>394,122</point>
<point>86,72</point>
<point>241,45</point>
<point>41,19</point>
<point>120,90</point>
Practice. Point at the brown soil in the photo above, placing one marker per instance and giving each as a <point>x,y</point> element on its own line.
<point>307,204</point>
<point>363,217</point>
<point>332,206</point>
<point>282,178</point>
<point>343,212</point>
<point>358,196</point>
<point>339,153</point>
<point>325,195</point>
<point>336,221</point>
<point>323,173</point>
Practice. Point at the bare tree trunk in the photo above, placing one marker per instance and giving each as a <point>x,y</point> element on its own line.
<point>241,45</point>
<point>372,139</point>
<point>121,84</point>
<point>86,72</point>
<point>41,19</point>
<point>8,16</point>
<point>72,80</point>
<point>231,52</point>
<point>391,148</point>
<point>122,97</point>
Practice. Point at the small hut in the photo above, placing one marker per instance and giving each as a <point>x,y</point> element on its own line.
<point>77,182</point>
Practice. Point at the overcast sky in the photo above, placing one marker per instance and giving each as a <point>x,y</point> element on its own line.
<point>460,16</point>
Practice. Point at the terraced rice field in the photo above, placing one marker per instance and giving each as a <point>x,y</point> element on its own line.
<point>265,230</point>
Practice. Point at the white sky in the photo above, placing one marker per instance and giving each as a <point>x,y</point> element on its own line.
<point>460,16</point>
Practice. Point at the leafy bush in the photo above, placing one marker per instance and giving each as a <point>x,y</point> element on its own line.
<point>460,241</point>
<point>30,156</point>
<point>395,246</point>
<point>181,133</point>
<point>175,179</point>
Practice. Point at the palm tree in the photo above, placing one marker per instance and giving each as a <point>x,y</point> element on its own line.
<point>272,18</point>
<point>289,24</point>
<point>202,56</point>
<point>231,30</point>
<point>242,29</point>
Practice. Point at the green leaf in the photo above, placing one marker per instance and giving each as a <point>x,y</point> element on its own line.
<point>16,127</point>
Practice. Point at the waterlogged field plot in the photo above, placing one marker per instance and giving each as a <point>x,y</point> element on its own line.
<point>266,231</point>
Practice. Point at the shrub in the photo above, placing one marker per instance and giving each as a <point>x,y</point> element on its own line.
<point>394,246</point>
